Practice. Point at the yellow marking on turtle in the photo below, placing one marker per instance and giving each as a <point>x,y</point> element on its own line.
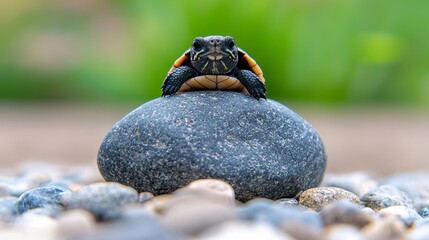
<point>223,64</point>
<point>205,65</point>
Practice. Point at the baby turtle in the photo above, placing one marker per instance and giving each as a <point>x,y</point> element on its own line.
<point>215,63</point>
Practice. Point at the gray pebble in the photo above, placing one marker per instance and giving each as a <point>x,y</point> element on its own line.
<point>261,148</point>
<point>406,214</point>
<point>386,196</point>
<point>415,185</point>
<point>5,189</point>
<point>318,198</point>
<point>41,197</point>
<point>48,210</point>
<point>104,200</point>
<point>8,208</point>
<point>287,202</point>
<point>270,212</point>
<point>345,212</point>
<point>132,224</point>
<point>424,212</point>
<point>145,196</point>
<point>358,183</point>
<point>244,230</point>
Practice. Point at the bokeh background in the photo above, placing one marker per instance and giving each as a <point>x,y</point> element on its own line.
<point>358,70</point>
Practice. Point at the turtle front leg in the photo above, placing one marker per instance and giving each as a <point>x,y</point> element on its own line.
<point>176,79</point>
<point>252,83</point>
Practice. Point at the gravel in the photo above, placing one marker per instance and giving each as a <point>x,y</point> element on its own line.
<point>204,209</point>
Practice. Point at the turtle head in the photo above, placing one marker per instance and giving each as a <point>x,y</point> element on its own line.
<point>214,55</point>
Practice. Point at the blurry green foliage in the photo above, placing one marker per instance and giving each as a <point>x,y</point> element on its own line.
<point>343,51</point>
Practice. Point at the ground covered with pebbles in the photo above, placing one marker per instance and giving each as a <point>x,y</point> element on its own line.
<point>46,202</point>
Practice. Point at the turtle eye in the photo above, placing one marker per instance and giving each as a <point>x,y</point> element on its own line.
<point>231,44</point>
<point>197,46</point>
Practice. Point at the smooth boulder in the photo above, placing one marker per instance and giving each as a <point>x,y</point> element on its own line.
<point>260,147</point>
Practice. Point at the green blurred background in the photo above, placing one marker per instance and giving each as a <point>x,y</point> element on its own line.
<point>325,51</point>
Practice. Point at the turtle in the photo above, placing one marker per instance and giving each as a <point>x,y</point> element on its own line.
<point>215,63</point>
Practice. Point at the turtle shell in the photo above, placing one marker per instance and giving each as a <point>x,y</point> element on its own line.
<point>218,82</point>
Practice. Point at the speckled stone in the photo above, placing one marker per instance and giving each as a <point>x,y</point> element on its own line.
<point>318,198</point>
<point>386,196</point>
<point>41,197</point>
<point>104,200</point>
<point>261,148</point>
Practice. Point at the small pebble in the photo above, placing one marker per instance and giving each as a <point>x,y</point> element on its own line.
<point>424,212</point>
<point>145,196</point>
<point>358,183</point>
<point>219,187</point>
<point>41,197</point>
<point>244,230</point>
<point>193,210</point>
<point>48,210</point>
<point>157,204</point>
<point>8,208</point>
<point>133,224</point>
<point>368,211</point>
<point>270,212</point>
<point>345,212</point>
<point>343,232</point>
<point>415,185</point>
<point>406,214</point>
<point>384,229</point>
<point>301,230</point>
<point>76,222</point>
<point>318,198</point>
<point>287,202</point>
<point>5,189</point>
<point>104,200</point>
<point>35,227</point>
<point>386,196</point>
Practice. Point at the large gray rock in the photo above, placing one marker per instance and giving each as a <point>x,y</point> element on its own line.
<point>261,148</point>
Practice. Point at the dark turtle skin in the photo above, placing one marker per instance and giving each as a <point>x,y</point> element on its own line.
<point>215,63</point>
